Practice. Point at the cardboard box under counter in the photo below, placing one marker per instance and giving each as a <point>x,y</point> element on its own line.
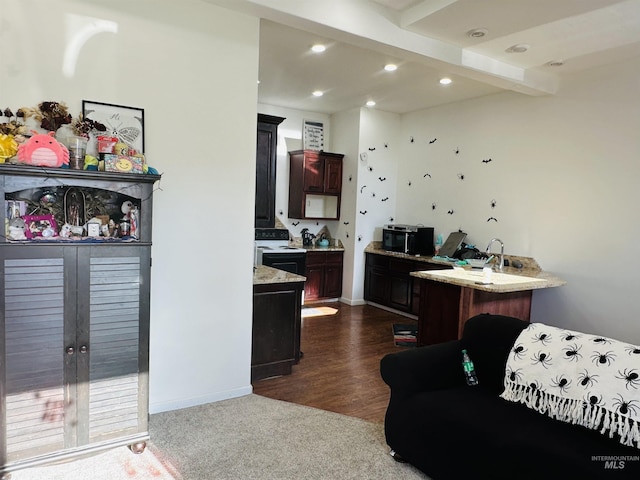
<point>122,163</point>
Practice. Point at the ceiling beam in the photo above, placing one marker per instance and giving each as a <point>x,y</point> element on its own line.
<point>422,10</point>
<point>355,22</point>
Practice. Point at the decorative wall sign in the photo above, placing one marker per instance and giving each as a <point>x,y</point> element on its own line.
<point>126,123</point>
<point>313,135</point>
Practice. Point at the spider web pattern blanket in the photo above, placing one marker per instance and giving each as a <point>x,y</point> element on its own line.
<point>577,378</point>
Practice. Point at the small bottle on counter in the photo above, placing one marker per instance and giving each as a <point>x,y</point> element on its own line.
<point>469,370</point>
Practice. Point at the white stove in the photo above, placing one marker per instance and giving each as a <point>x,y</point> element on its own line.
<point>273,249</point>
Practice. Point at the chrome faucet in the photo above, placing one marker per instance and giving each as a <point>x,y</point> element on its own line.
<point>501,266</point>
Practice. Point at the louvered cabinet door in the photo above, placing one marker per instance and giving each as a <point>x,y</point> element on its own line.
<point>114,327</point>
<point>34,403</point>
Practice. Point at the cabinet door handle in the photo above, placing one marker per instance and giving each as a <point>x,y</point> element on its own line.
<point>71,350</point>
<point>84,349</point>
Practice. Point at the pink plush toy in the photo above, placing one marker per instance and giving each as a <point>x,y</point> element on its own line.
<point>44,151</point>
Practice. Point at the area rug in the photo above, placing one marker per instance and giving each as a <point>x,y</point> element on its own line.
<point>318,311</point>
<point>405,335</point>
<point>113,464</point>
<point>245,438</point>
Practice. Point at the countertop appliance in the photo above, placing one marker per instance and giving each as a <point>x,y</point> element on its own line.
<point>409,239</point>
<point>272,249</point>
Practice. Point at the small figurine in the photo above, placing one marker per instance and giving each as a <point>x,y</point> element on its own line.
<point>133,218</point>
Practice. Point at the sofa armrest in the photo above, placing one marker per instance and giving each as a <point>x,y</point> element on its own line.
<point>432,367</point>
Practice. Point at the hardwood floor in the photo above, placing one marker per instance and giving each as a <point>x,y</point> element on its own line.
<point>340,369</point>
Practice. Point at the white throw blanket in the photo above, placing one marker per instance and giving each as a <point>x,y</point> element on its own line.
<point>577,378</point>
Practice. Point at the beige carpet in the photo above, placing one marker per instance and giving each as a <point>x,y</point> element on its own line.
<point>245,438</point>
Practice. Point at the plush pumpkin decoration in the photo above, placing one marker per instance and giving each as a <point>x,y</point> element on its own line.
<point>44,151</point>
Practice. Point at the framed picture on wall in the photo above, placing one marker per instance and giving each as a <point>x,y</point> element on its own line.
<point>312,135</point>
<point>125,123</point>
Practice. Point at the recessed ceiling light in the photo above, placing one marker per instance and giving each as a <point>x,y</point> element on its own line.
<point>445,81</point>
<point>390,67</point>
<point>318,93</point>
<point>477,33</point>
<point>318,48</point>
<point>555,63</point>
<point>519,48</point>
<point>371,103</point>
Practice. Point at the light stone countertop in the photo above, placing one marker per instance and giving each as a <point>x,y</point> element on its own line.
<point>265,275</point>
<point>530,269</point>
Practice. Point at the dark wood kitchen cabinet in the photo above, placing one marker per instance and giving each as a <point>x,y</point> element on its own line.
<point>74,322</point>
<point>275,344</point>
<point>315,184</point>
<point>324,275</point>
<point>387,282</point>
<point>266,164</point>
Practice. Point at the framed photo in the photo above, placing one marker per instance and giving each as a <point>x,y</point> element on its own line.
<point>313,135</point>
<point>40,226</point>
<point>125,123</point>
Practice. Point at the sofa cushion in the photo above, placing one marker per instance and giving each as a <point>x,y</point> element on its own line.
<point>488,339</point>
<point>470,430</point>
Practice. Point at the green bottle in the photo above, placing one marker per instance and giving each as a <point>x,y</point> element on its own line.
<point>469,370</point>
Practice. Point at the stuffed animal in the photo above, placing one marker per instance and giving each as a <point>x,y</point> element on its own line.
<point>44,151</point>
<point>65,230</point>
<point>17,226</point>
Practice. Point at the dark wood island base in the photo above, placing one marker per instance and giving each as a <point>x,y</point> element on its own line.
<point>444,309</point>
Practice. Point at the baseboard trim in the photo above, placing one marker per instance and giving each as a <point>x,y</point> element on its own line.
<point>393,310</point>
<point>193,401</point>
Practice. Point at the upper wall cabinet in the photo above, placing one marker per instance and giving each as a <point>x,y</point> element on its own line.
<point>315,184</point>
<point>266,156</point>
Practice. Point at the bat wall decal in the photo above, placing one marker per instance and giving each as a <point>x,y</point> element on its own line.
<point>382,179</point>
<point>362,188</point>
<point>433,141</point>
<point>363,212</point>
<point>384,199</point>
<point>295,224</point>
<point>372,149</point>
<point>426,175</point>
<point>492,219</point>
<point>487,160</point>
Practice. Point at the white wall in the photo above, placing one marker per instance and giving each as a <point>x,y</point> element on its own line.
<point>378,184</point>
<point>346,131</point>
<point>193,68</point>
<point>564,175</point>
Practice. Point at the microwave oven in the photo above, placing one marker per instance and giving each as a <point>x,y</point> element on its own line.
<point>409,239</point>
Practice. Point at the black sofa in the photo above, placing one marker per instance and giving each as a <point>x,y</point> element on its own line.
<point>449,430</point>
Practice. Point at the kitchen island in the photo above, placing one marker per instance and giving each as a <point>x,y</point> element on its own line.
<point>448,298</point>
<point>444,296</point>
<point>277,304</point>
